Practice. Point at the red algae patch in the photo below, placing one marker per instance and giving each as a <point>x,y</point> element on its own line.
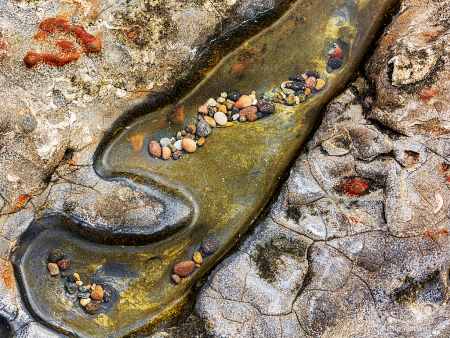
<point>353,187</point>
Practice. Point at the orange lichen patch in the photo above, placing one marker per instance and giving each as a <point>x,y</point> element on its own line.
<point>353,187</point>
<point>446,171</point>
<point>20,202</point>
<point>242,62</point>
<point>427,93</point>
<point>137,141</point>
<point>136,34</point>
<point>33,59</point>
<point>7,274</point>
<point>177,116</point>
<point>440,233</point>
<point>66,46</point>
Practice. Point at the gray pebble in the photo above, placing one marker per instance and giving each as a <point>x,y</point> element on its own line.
<point>165,142</point>
<point>203,129</point>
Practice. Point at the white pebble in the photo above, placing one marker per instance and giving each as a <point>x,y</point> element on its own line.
<point>220,100</point>
<point>252,96</point>
<point>235,117</point>
<point>220,118</point>
<point>212,102</point>
<point>224,95</point>
<point>254,101</point>
<point>178,145</point>
<point>165,141</point>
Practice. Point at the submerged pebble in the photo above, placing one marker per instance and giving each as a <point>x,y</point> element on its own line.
<point>209,245</point>
<point>155,149</point>
<point>184,269</point>
<point>56,255</point>
<point>64,264</point>
<point>220,118</point>
<point>189,145</point>
<point>53,268</point>
<point>92,308</point>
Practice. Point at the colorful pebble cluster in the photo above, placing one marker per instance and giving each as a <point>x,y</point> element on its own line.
<point>229,108</point>
<point>90,295</point>
<point>184,269</point>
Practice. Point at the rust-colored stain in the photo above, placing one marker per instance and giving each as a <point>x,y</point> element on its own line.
<point>137,141</point>
<point>440,233</point>
<point>7,275</point>
<point>89,43</point>
<point>446,171</point>
<point>177,116</point>
<point>243,61</point>
<point>353,187</point>
<point>427,93</point>
<point>136,34</point>
<point>20,202</point>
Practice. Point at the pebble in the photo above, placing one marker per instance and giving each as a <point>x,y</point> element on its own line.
<point>228,124</point>
<point>83,295</point>
<point>235,117</point>
<point>229,105</point>
<point>312,73</point>
<point>176,278</point>
<point>251,117</point>
<point>311,82</point>
<point>53,268</point>
<point>71,288</point>
<point>298,78</point>
<point>107,294</point>
<point>85,301</point>
<point>212,111</point>
<point>184,269</point>
<point>290,100</point>
<point>204,108</point>
<point>222,108</point>
<point>79,283</point>
<point>209,245</point>
<point>265,106</point>
<point>211,102</point>
<point>179,136</point>
<point>266,96</point>
<point>337,53</point>
<point>197,265</point>
<point>88,287</point>
<point>242,119</point>
<point>259,115</point>
<point>234,96</point>
<point>210,121</point>
<point>288,91</point>
<point>220,100</point>
<point>201,141</point>
<point>56,255</point>
<point>172,148</point>
<point>64,264</point>
<point>189,145</point>
<point>243,101</point>
<point>97,293</point>
<point>177,155</point>
<point>92,308</point>
<point>296,86</point>
<point>224,95</point>
<point>329,69</point>
<point>178,145</point>
<point>165,142</point>
<point>155,149</point>
<point>166,152</point>
<point>320,84</point>
<point>198,258</point>
<point>191,128</point>
<point>82,288</point>
<point>247,111</point>
<point>77,276</point>
<point>72,278</point>
<point>220,118</point>
<point>334,63</point>
<point>307,91</point>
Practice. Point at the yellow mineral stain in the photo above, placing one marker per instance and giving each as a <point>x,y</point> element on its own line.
<point>104,320</point>
<point>137,141</point>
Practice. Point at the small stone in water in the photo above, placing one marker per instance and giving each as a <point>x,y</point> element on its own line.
<point>259,115</point>
<point>77,276</point>
<point>85,301</point>
<point>166,152</point>
<point>79,283</point>
<point>320,84</point>
<point>179,135</point>
<point>234,111</point>
<point>53,268</point>
<point>201,141</point>
<point>71,288</point>
<point>97,293</point>
<point>247,111</point>
<point>266,96</point>
<point>288,91</point>
<point>298,78</point>
<point>189,144</point>
<point>177,155</point>
<point>307,91</point>
<point>176,278</point>
<point>172,148</point>
<point>265,106</point>
<point>83,294</point>
<point>82,288</point>
<point>204,108</point>
<point>211,102</point>
<point>296,86</point>
<point>210,121</point>
<point>290,100</point>
<point>107,294</point>
<point>155,149</point>
<point>198,258</point>
<point>72,278</point>
<point>164,142</point>
<point>203,129</point>
<point>56,255</point>
<point>92,308</point>
<point>337,53</point>
<point>184,269</point>
<point>178,145</point>
<point>64,264</point>
<point>235,117</point>
<point>313,73</point>
<point>224,95</point>
<point>191,128</point>
<point>242,119</point>
<point>252,117</point>
<point>209,245</point>
<point>334,63</point>
<point>220,118</point>
<point>220,100</point>
<point>234,96</point>
<point>243,101</point>
<point>222,108</point>
<point>311,82</point>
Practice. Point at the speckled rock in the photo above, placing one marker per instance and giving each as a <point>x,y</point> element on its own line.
<point>189,145</point>
<point>155,149</point>
<point>92,308</point>
<point>203,129</point>
<point>209,245</point>
<point>265,106</point>
<point>220,118</point>
<point>97,293</point>
<point>243,101</point>
<point>53,269</point>
<point>184,269</point>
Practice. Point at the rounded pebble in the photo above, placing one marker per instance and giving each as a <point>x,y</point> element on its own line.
<point>198,258</point>
<point>165,142</point>
<point>266,96</point>
<point>295,85</point>
<point>242,119</point>
<point>191,128</point>
<point>83,294</point>
<point>224,95</point>
<point>178,145</point>
<point>166,153</point>
<point>97,293</point>
<point>334,63</point>
<point>172,148</point>
<point>337,53</point>
<point>176,278</point>
<point>85,301</point>
<point>210,121</point>
<point>220,100</point>
<point>311,82</point>
<point>177,155</point>
<point>107,294</point>
<point>201,141</point>
<point>320,84</point>
<point>307,91</point>
<point>329,69</point>
<point>56,255</point>
<point>203,129</point>
<point>64,264</point>
<point>243,101</point>
<point>92,308</point>
<point>209,246</point>
<point>188,145</point>
<point>290,100</point>
<point>203,109</point>
<point>265,106</point>
<point>155,149</point>
<point>235,117</point>
<point>234,96</point>
<point>211,102</point>
<point>220,118</point>
<point>251,117</point>
<point>53,268</point>
<point>184,269</point>
<point>313,73</point>
<point>248,110</point>
<point>71,288</point>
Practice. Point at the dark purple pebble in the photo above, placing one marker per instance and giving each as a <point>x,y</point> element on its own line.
<point>334,63</point>
<point>55,256</point>
<point>298,78</point>
<point>297,86</point>
<point>313,73</point>
<point>209,246</point>
<point>265,106</point>
<point>234,96</point>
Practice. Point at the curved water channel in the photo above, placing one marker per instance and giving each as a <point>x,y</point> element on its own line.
<point>223,186</point>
